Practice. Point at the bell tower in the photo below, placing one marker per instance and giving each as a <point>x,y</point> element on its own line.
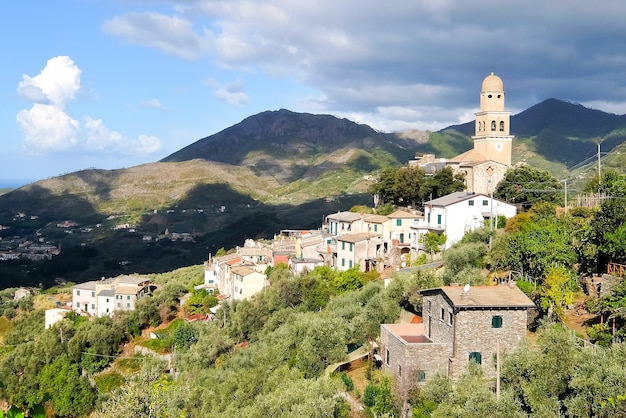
<point>492,136</point>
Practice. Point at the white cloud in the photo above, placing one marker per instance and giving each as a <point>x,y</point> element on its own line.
<point>231,93</point>
<point>152,103</point>
<point>101,138</point>
<point>364,58</point>
<point>56,84</point>
<point>48,127</point>
<point>172,35</point>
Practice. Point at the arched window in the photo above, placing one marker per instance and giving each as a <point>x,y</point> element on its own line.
<point>501,126</point>
<point>493,125</point>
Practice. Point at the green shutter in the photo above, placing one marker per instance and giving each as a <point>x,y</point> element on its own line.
<point>496,321</point>
<point>476,357</point>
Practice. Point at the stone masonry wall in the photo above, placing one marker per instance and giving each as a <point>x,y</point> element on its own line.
<point>404,360</point>
<point>474,333</point>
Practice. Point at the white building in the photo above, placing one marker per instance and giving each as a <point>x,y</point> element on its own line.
<point>104,297</point>
<point>458,213</point>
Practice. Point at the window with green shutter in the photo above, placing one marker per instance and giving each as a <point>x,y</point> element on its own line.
<point>476,357</point>
<point>496,321</point>
<point>421,375</point>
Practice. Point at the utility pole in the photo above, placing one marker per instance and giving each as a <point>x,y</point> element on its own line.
<point>599,173</point>
<point>565,183</point>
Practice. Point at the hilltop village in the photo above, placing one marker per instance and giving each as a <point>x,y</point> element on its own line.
<point>368,314</point>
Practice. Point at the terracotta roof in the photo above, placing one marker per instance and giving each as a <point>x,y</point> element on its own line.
<point>344,216</point>
<point>471,155</point>
<point>243,270</point>
<point>362,236</point>
<point>502,296</point>
<point>405,215</point>
<point>375,219</point>
<point>411,333</point>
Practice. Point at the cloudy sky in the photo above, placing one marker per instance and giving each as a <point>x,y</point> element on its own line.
<point>117,83</point>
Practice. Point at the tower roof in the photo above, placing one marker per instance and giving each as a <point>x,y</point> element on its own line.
<point>492,83</point>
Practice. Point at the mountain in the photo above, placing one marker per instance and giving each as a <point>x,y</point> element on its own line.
<point>555,135</point>
<point>275,170</point>
<point>291,146</point>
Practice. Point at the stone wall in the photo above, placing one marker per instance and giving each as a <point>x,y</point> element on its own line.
<point>474,333</point>
<point>404,360</point>
<point>437,328</point>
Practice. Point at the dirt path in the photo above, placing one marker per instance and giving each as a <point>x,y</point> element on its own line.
<point>578,318</point>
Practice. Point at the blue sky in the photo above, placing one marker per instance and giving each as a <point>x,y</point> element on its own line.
<point>112,83</point>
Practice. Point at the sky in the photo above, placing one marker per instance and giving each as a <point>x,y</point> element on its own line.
<point>117,83</point>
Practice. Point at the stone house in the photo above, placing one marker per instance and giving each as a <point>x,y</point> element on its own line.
<point>460,324</point>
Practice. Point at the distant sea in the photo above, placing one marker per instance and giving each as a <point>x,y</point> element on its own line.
<point>14,183</point>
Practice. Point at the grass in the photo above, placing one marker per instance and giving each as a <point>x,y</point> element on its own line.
<point>5,327</point>
<point>107,382</point>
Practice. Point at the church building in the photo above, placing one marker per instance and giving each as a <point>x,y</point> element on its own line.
<point>486,164</point>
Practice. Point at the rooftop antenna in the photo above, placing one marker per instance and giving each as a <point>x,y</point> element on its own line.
<point>466,288</point>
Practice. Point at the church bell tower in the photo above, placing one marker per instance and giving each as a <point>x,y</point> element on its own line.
<point>492,137</point>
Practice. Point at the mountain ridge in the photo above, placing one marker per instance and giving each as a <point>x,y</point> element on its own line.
<point>274,170</point>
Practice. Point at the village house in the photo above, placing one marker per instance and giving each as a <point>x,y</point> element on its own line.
<point>104,297</point>
<point>460,324</point>
<point>238,275</point>
<point>456,214</point>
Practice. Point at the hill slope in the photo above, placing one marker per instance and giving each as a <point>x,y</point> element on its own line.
<point>277,169</point>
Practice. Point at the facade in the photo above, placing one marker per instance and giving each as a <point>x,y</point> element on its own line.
<point>456,214</point>
<point>361,250</point>
<point>461,324</point>
<point>104,297</point>
<point>237,276</point>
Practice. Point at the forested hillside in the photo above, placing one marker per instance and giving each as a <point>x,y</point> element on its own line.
<point>267,356</point>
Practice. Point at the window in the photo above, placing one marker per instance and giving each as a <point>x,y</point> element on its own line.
<point>387,356</point>
<point>107,310</point>
<point>343,262</point>
<point>375,228</point>
<point>128,297</point>
<point>470,202</point>
<point>443,314</point>
<point>421,375</point>
<point>211,281</point>
<point>343,245</point>
<point>399,370</point>
<point>398,222</point>
<point>350,264</point>
<point>93,306</point>
<point>351,246</point>
<point>107,300</point>
<point>428,217</point>
<point>496,321</point>
<point>493,125</point>
<point>501,126</point>
<point>429,305</point>
<point>485,202</point>
<point>119,304</point>
<point>439,219</point>
<point>78,304</point>
<point>93,294</point>
<point>450,318</point>
<point>128,305</point>
<point>78,293</point>
<point>476,357</point>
